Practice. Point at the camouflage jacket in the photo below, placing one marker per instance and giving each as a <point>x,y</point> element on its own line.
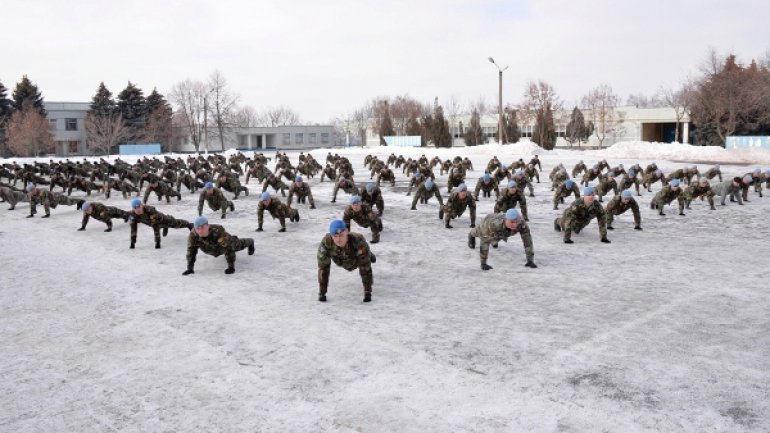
<point>617,207</point>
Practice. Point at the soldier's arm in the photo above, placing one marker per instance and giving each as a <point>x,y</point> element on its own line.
<point>201,199</point>
<point>291,195</point>
<point>472,207</point>
<point>346,217</point>
<point>192,250</point>
<point>324,266</point>
<point>637,216</point>
<point>260,214</point>
<point>526,240</point>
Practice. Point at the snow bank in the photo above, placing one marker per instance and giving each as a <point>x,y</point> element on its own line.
<point>685,152</point>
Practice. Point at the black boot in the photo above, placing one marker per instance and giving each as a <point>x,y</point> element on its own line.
<point>367,297</point>
<point>230,270</point>
<point>251,247</point>
<point>471,241</point>
<point>157,245</point>
<point>321,297</point>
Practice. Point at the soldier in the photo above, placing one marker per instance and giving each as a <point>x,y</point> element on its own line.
<point>347,185</point>
<point>630,180</point>
<point>692,172</point>
<point>215,199</point>
<point>189,181</point>
<point>140,213</point>
<point>364,216</point>
<point>276,209</point>
<point>579,214</point>
<point>82,184</point>
<point>498,227</point>
<point>607,183</point>
<point>161,189</point>
<point>493,164</point>
<point>713,172</point>
<point>12,196</point>
<point>579,168</point>
<point>302,190</point>
<point>655,176</point>
<point>329,172</point>
<point>680,174</point>
<point>456,204</point>
<point>666,195</point>
<point>126,188</point>
<point>563,191</point>
<point>372,196</point>
<point>753,178</point>
<point>536,161</point>
<point>258,171</point>
<point>730,188</point>
<point>590,175</point>
<point>701,189</point>
<point>276,183</point>
<point>48,199</point>
<point>487,184</point>
<point>229,182</point>
<point>532,173</point>
<point>619,205</point>
<point>502,175</point>
<point>348,251</point>
<point>456,178</point>
<point>601,165</point>
<point>510,198</point>
<point>214,240</point>
<point>416,180</point>
<point>424,192</point>
<point>102,213</point>
<point>386,174</point>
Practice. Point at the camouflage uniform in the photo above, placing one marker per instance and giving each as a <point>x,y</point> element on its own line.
<point>509,199</point>
<point>373,199</point>
<point>616,206</point>
<point>756,181</point>
<point>276,183</point>
<point>259,171</point>
<point>423,195</point>
<point>82,184</point>
<point>578,169</point>
<point>302,190</point>
<point>104,214</point>
<point>456,177</point>
<point>589,176</point>
<point>711,173</point>
<point>680,174</point>
<point>492,230</point>
<point>727,188</point>
<point>532,173</point>
<point>605,185</point>
<point>696,190</point>
<point>156,220</point>
<point>536,161</point>
<point>11,196</point>
<point>654,177</point>
<point>386,174</point>
<point>415,181</point>
<point>455,207</point>
<point>502,175</point>
<point>329,172</point>
<point>277,209</point>
<point>563,192</point>
<point>49,200</point>
<point>216,201</point>
<point>217,242</point>
<point>230,183</point>
<point>366,218</point>
<point>354,255</point>
<point>347,185</point>
<point>189,181</point>
<point>578,215</point>
<point>628,182</point>
<point>126,188</point>
<point>665,196</point>
<point>487,187</point>
<point>161,189</point>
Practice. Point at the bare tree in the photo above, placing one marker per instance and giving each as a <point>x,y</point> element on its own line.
<point>279,116</point>
<point>479,106</point>
<point>680,100</point>
<point>188,96</point>
<point>453,110</point>
<point>103,132</point>
<point>361,122</point>
<point>601,103</point>
<point>222,105</point>
<point>28,132</point>
<point>403,108</point>
<point>245,117</point>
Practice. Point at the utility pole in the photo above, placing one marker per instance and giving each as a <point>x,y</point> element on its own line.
<point>500,129</point>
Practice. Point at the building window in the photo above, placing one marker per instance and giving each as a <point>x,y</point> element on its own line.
<point>244,141</point>
<point>71,124</point>
<point>561,131</point>
<point>311,138</point>
<point>526,131</point>
<point>72,147</point>
<point>299,139</point>
<point>52,124</point>
<point>324,138</point>
<point>286,139</point>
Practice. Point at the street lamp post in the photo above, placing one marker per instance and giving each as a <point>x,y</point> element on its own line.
<point>500,101</point>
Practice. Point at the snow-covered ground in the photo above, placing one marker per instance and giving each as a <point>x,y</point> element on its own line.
<point>663,330</point>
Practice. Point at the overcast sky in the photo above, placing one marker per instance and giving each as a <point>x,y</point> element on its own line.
<point>326,58</point>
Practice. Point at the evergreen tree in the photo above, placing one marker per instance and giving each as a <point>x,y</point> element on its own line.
<point>576,128</point>
<point>545,131</point>
<point>158,129</point>
<point>440,132</point>
<point>133,108</point>
<point>413,127</point>
<point>102,104</point>
<point>426,128</point>
<point>474,135</point>
<point>386,125</point>
<point>511,125</point>
<point>6,111</point>
<point>28,91</point>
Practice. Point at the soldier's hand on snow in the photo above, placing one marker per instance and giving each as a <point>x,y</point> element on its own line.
<point>473,225</point>
<point>188,272</point>
<point>638,228</point>
<point>605,240</point>
<point>259,229</point>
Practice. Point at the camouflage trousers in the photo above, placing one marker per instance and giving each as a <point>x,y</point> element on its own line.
<point>166,222</point>
<point>52,204</point>
<point>363,264</point>
<point>12,197</point>
<point>234,245</point>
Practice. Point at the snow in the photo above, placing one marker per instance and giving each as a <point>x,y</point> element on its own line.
<point>663,330</point>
